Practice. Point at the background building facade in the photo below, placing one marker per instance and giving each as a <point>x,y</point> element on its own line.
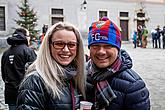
<point>127,14</point>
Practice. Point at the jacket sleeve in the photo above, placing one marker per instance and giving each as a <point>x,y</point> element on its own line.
<point>137,96</point>
<point>31,55</point>
<point>32,94</point>
<point>2,68</point>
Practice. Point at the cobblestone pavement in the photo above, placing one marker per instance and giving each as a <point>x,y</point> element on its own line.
<point>3,106</point>
<point>149,63</point>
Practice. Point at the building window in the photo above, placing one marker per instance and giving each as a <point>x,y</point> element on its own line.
<point>57,11</point>
<point>57,15</point>
<point>103,14</point>
<point>56,20</point>
<point>2,18</point>
<point>123,14</point>
<point>140,14</point>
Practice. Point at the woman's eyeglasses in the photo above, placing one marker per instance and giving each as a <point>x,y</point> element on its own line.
<point>61,45</point>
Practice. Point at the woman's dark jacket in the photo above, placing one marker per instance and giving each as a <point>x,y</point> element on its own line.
<point>35,95</point>
<point>13,64</point>
<point>127,85</point>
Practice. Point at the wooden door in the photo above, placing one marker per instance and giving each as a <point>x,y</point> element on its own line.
<point>124,29</point>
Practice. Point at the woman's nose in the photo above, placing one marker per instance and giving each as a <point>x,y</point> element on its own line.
<point>65,48</point>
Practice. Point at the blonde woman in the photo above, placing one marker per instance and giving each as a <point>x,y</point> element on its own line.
<point>56,80</point>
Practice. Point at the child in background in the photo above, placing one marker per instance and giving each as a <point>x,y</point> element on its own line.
<point>134,38</point>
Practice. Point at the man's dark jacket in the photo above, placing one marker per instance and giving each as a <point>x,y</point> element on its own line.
<point>13,64</point>
<point>127,85</point>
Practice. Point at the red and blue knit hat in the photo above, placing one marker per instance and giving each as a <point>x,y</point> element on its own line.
<point>104,31</point>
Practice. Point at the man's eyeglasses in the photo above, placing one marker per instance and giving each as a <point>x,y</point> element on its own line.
<point>61,45</point>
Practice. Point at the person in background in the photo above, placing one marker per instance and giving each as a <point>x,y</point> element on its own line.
<point>134,38</point>
<point>144,36</point>
<point>34,43</point>
<point>163,35</point>
<point>56,80</point>
<point>112,84</point>
<point>139,38</point>
<point>44,30</point>
<point>42,35</point>
<point>158,35</point>
<point>13,64</point>
<point>153,34</point>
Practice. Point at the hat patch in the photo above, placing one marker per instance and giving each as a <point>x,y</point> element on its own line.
<point>98,37</point>
<point>100,24</point>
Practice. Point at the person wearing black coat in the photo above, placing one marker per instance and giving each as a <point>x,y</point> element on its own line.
<point>13,64</point>
<point>158,37</point>
<point>112,84</point>
<point>163,37</point>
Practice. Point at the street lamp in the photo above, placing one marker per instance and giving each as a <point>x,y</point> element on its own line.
<point>84,5</point>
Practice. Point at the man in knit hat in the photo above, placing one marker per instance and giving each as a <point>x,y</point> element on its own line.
<point>111,82</point>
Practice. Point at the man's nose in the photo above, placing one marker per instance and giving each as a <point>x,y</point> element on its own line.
<point>102,50</point>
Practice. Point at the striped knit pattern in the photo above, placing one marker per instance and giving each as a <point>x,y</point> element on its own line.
<point>104,32</point>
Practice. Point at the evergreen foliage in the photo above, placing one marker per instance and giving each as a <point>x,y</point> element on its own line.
<point>28,18</point>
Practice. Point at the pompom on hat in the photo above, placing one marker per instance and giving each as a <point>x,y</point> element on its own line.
<point>104,31</point>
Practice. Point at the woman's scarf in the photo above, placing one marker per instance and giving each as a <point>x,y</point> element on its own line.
<point>67,72</point>
<point>70,71</point>
<point>103,92</point>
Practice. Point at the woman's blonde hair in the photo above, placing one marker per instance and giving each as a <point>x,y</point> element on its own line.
<point>48,68</point>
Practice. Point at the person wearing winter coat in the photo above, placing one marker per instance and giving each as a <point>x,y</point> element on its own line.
<point>13,64</point>
<point>163,37</point>
<point>134,38</point>
<point>158,37</point>
<point>139,36</point>
<point>112,84</point>
<point>56,80</point>
<point>144,36</point>
<point>153,34</point>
